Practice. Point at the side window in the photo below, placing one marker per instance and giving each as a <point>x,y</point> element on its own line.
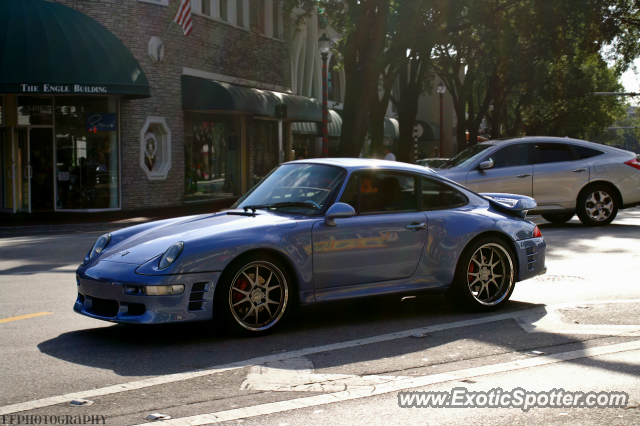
<point>379,192</point>
<point>553,153</point>
<point>350,194</point>
<point>583,152</point>
<point>511,156</point>
<point>438,195</point>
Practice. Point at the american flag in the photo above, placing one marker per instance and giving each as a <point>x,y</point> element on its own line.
<point>183,16</point>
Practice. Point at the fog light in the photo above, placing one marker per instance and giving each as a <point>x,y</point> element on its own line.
<point>132,289</point>
<point>164,290</point>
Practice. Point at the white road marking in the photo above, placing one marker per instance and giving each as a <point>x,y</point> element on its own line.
<point>171,378</point>
<point>395,386</point>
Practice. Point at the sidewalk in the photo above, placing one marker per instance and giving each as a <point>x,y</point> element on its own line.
<point>21,223</point>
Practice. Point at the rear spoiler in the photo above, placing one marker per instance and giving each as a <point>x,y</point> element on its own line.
<point>512,203</point>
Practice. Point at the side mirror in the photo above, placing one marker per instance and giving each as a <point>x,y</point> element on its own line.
<point>486,164</point>
<point>338,211</point>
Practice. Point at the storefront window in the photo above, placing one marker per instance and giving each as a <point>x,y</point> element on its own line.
<point>212,156</point>
<point>35,111</point>
<point>265,149</point>
<point>303,146</point>
<point>86,146</point>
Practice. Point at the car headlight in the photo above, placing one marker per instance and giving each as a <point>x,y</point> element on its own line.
<point>98,247</point>
<point>170,255</point>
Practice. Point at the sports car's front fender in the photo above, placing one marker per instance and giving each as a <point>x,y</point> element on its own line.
<point>101,295</point>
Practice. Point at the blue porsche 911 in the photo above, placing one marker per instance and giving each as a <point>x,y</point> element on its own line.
<point>315,231</point>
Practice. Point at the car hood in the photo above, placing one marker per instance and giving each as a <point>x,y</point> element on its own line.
<point>152,242</point>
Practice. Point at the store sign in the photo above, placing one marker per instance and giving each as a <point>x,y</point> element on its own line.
<point>62,88</point>
<point>101,122</point>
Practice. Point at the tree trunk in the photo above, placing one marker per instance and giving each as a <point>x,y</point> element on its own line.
<point>362,51</point>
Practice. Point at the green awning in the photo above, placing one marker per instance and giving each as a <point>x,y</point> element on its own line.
<point>430,131</point>
<point>304,128</point>
<point>391,128</point>
<point>335,124</point>
<point>199,94</point>
<point>49,48</point>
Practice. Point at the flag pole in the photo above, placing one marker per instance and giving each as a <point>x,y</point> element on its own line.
<point>163,38</point>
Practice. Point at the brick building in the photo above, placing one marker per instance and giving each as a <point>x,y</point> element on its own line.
<point>94,117</point>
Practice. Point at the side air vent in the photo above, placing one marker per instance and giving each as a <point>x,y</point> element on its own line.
<point>196,298</point>
<point>532,257</point>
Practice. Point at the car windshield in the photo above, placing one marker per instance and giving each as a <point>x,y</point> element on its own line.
<point>295,188</point>
<point>466,157</point>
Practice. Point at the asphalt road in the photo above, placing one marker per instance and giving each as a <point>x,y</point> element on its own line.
<point>334,364</point>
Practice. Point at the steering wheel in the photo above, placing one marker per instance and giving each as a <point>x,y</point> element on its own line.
<point>313,203</point>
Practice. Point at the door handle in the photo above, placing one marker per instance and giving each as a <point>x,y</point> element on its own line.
<point>416,226</point>
<point>522,175</point>
<point>579,170</point>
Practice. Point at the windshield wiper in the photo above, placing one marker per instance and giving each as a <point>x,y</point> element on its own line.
<point>283,204</point>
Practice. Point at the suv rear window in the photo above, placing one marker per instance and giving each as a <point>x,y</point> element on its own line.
<point>584,152</point>
<point>553,153</point>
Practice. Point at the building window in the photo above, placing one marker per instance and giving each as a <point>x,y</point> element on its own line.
<point>270,18</point>
<point>86,153</point>
<point>222,11</point>
<point>235,12</point>
<point>265,149</point>
<point>206,7</point>
<point>160,2</point>
<point>155,148</point>
<point>262,10</point>
<point>212,156</point>
<point>240,13</point>
<point>276,17</point>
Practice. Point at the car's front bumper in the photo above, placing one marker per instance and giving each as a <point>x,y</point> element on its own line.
<point>101,295</point>
<point>531,258</point>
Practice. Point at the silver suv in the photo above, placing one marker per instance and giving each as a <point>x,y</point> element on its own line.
<point>565,176</point>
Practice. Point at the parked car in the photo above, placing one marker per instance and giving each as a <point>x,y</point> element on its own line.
<point>315,231</point>
<point>564,176</point>
<point>433,163</point>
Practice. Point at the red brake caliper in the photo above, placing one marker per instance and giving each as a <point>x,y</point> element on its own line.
<point>472,269</point>
<point>242,285</point>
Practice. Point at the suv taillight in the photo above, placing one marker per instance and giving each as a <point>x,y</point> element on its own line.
<point>536,232</point>
<point>633,163</point>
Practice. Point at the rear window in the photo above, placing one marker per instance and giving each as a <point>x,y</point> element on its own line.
<point>583,152</point>
<point>437,195</point>
<point>553,153</point>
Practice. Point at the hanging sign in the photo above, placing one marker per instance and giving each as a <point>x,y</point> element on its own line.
<point>101,122</point>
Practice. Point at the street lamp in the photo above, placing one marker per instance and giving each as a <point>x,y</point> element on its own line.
<point>441,89</point>
<point>324,43</point>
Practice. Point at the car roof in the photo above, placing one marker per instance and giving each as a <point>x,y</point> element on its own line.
<point>541,139</point>
<point>365,163</point>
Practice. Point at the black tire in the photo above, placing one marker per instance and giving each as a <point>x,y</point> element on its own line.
<point>558,217</point>
<point>597,205</point>
<point>467,293</point>
<point>246,306</point>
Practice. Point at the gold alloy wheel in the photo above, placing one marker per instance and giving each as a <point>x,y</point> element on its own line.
<point>258,296</point>
<point>490,274</point>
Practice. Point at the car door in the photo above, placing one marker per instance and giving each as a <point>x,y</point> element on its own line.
<point>558,175</point>
<point>511,172</point>
<point>384,241</point>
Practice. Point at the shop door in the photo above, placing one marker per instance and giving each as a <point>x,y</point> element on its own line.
<point>18,192</point>
<point>8,169</point>
<point>41,168</point>
<point>16,172</point>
